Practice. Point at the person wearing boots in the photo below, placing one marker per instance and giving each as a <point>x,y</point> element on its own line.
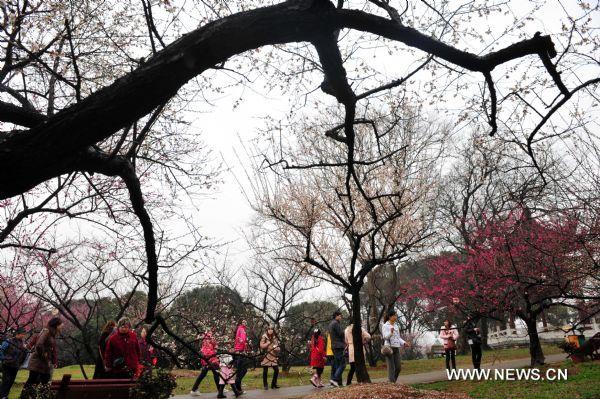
<point>227,377</point>
<point>318,357</point>
<point>270,344</point>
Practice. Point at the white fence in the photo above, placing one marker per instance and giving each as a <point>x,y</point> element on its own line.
<point>519,337</point>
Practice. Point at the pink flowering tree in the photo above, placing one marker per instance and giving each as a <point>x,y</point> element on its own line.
<point>518,265</point>
<point>17,307</point>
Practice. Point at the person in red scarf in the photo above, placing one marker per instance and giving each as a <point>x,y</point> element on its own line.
<point>209,361</point>
<point>122,355</point>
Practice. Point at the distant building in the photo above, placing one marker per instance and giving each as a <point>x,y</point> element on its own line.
<point>515,334</point>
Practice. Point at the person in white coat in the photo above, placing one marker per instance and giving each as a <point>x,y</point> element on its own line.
<point>449,334</point>
<point>390,333</point>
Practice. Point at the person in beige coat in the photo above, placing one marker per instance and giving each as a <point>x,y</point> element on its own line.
<point>44,358</point>
<point>270,344</point>
<point>366,337</point>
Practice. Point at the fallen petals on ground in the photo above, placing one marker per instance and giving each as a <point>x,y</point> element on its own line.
<point>383,391</point>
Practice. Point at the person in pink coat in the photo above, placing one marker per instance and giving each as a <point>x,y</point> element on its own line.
<point>227,377</point>
<point>209,361</point>
<point>318,357</point>
<point>449,335</point>
<point>239,359</point>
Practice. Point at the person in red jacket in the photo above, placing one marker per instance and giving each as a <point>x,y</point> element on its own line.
<point>209,361</point>
<point>122,355</point>
<point>318,357</point>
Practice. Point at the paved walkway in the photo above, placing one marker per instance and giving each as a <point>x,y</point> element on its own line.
<point>432,376</point>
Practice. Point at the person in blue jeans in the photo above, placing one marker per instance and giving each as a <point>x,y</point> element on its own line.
<point>338,346</point>
<point>12,356</point>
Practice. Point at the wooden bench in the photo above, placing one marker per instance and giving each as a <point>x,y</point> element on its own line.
<point>91,389</point>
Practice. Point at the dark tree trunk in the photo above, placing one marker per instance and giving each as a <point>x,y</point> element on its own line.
<point>485,330</point>
<point>535,346</point>
<point>372,358</point>
<point>463,347</point>
<point>362,375</point>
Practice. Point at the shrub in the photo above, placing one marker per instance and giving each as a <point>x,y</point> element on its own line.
<point>154,385</point>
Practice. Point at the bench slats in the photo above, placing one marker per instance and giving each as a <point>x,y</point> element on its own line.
<point>92,389</point>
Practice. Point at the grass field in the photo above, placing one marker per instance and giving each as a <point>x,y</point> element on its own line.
<point>299,375</point>
<point>583,383</point>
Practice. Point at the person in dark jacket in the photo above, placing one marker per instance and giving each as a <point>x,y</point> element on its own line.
<point>13,355</point>
<point>474,340</point>
<point>44,357</point>
<point>107,330</point>
<point>338,345</point>
<point>146,350</point>
<point>122,354</point>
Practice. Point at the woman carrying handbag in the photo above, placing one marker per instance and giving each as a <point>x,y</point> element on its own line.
<point>270,344</point>
<point>392,344</point>
<point>449,335</point>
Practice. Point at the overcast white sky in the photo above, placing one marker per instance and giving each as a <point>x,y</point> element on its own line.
<point>226,213</point>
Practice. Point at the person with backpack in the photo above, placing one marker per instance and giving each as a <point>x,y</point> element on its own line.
<point>122,354</point>
<point>338,345</point>
<point>449,335</point>
<point>12,356</point>
<point>474,340</point>
<point>209,361</point>
<point>44,358</point>
<point>318,357</point>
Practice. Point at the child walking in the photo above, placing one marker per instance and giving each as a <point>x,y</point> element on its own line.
<point>318,357</point>
<point>227,377</point>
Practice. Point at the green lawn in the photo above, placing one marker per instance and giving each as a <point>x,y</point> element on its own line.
<point>299,375</point>
<point>583,383</point>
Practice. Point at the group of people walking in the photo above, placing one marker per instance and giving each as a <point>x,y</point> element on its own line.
<point>121,354</point>
<point>340,341</point>
<point>231,370</point>
<point>39,356</point>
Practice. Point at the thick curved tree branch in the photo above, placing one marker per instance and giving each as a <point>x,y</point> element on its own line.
<point>98,162</point>
<point>52,148</point>
<point>20,115</point>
